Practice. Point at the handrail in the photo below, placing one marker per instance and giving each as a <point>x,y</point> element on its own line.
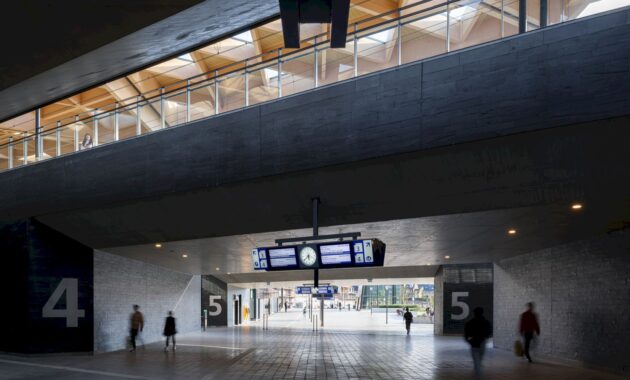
<point>244,67</point>
<point>184,82</point>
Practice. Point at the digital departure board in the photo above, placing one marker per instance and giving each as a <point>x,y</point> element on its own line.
<point>335,254</point>
<point>282,257</point>
<point>345,254</point>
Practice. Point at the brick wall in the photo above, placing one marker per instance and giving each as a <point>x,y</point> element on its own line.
<point>120,282</point>
<point>582,296</point>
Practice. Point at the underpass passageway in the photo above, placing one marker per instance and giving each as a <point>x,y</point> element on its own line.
<point>290,353</point>
<point>343,320</point>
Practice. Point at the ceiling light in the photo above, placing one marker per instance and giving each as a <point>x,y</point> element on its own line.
<point>229,273</point>
<point>447,257</point>
<point>184,255</point>
<point>512,231</point>
<point>158,245</point>
<point>217,268</point>
<point>576,206</point>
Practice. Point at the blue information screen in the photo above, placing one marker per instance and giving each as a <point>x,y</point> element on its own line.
<point>282,257</point>
<point>335,254</point>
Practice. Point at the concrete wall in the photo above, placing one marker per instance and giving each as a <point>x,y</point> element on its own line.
<point>120,283</point>
<point>582,296</point>
<point>518,84</point>
<point>438,303</point>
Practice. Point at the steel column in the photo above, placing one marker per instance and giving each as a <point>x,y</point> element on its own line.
<point>356,52</point>
<point>138,120</point>
<point>522,16</point>
<point>116,125</point>
<point>38,134</point>
<point>10,153</point>
<point>95,138</point>
<point>58,133</point>
<point>279,73</point>
<point>216,92</point>
<point>76,133</point>
<point>188,101</point>
<point>162,116</point>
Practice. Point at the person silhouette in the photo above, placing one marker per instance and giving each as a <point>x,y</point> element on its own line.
<point>137,325</point>
<point>169,330</point>
<point>476,331</point>
<point>408,317</point>
<point>87,142</point>
<point>529,326</point>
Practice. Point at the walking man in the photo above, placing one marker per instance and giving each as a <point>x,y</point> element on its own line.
<point>529,326</point>
<point>476,331</point>
<point>408,317</point>
<point>137,324</point>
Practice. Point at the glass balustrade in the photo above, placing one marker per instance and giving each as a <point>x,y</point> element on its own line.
<point>415,32</point>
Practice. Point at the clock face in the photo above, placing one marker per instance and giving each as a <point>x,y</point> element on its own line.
<point>308,256</point>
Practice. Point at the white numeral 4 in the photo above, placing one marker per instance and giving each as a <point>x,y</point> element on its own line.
<point>69,286</point>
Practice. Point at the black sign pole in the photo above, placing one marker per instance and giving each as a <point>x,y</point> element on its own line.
<point>315,202</point>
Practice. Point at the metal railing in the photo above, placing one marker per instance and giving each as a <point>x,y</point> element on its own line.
<point>412,33</point>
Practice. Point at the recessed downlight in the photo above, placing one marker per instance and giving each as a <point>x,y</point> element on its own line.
<point>576,206</point>
<point>447,257</point>
<point>184,255</point>
<point>512,231</point>
<point>217,268</point>
<point>158,245</point>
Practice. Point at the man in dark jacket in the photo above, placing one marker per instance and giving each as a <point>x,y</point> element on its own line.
<point>408,317</point>
<point>169,330</point>
<point>476,331</point>
<point>529,326</point>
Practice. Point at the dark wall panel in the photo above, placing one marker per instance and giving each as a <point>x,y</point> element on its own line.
<point>214,300</point>
<point>51,277</point>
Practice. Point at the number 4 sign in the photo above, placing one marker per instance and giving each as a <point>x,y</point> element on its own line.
<point>69,286</point>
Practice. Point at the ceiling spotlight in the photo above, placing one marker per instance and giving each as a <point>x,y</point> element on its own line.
<point>217,268</point>
<point>184,255</point>
<point>447,257</point>
<point>158,245</point>
<point>512,231</point>
<point>229,273</point>
<point>576,206</point>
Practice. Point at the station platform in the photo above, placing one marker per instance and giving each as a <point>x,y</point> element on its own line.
<point>290,350</point>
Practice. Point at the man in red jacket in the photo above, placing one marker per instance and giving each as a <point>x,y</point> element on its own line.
<point>529,326</point>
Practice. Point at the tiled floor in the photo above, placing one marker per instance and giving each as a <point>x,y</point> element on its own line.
<point>290,350</point>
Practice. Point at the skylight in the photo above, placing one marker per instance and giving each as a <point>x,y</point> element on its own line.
<point>186,57</point>
<point>382,37</point>
<point>244,37</point>
<point>602,6</point>
<point>343,68</point>
<point>458,13</point>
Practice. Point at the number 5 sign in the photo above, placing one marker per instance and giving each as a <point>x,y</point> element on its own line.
<point>456,302</point>
<point>72,313</point>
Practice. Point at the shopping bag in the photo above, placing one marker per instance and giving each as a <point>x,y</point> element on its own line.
<point>518,348</point>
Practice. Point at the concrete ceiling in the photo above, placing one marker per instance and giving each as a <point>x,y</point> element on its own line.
<point>49,30</point>
<point>415,247</point>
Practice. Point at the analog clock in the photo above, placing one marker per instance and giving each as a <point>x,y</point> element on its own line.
<point>308,256</point>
